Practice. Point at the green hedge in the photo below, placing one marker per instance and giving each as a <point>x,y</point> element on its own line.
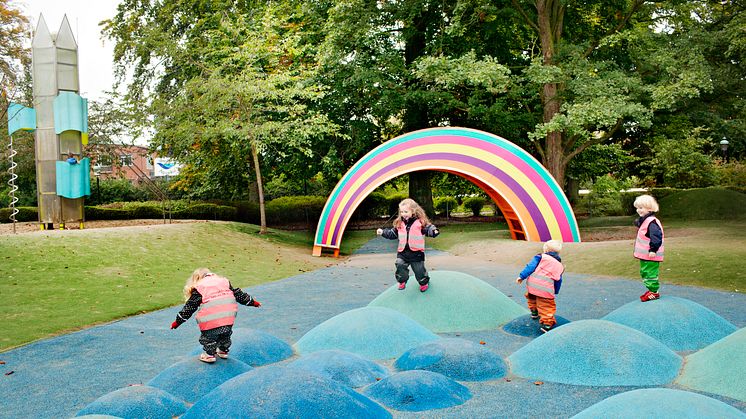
<point>24,214</point>
<point>373,206</point>
<point>475,204</point>
<point>445,205</point>
<point>288,209</point>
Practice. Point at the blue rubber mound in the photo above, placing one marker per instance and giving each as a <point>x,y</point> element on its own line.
<point>528,327</point>
<point>99,417</point>
<point>596,353</point>
<point>256,348</point>
<point>455,302</point>
<point>660,403</point>
<point>715,369</point>
<point>192,379</point>
<point>680,324</point>
<point>373,332</point>
<point>350,369</point>
<point>418,390</point>
<point>456,358</point>
<point>275,391</point>
<point>136,402</point>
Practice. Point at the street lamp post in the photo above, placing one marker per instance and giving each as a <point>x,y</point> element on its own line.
<point>724,146</point>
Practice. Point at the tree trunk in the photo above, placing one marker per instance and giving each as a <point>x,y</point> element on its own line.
<point>550,14</point>
<point>421,191</point>
<point>416,117</point>
<point>260,190</point>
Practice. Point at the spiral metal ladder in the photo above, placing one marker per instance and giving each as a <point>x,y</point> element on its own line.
<point>12,184</point>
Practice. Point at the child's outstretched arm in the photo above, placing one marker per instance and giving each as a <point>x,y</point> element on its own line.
<point>529,269</point>
<point>244,298</point>
<point>388,233</point>
<point>431,231</point>
<point>190,307</point>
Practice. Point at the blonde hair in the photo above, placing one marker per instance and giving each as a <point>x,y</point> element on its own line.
<point>416,211</point>
<point>192,281</point>
<point>646,202</point>
<point>553,246</point>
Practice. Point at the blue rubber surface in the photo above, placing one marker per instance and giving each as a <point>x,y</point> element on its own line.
<point>454,302</point>
<point>373,332</point>
<point>347,368</point>
<point>692,327</point>
<point>418,390</point>
<point>275,391</point>
<point>255,347</point>
<point>455,358</point>
<point>596,353</point>
<point>191,379</point>
<point>136,402</point>
<point>718,368</point>
<point>661,403</point>
<point>55,378</point>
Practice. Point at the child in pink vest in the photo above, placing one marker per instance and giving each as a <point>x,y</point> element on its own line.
<point>216,300</point>
<point>544,279</point>
<point>410,228</point>
<point>648,245</point>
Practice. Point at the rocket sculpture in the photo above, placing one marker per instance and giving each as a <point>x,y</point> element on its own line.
<point>62,127</point>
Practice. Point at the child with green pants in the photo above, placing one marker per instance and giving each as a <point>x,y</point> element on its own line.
<point>648,245</point>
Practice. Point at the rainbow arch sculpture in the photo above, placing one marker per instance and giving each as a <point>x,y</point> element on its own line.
<point>529,198</point>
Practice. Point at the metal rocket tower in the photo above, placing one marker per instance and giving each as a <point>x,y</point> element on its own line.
<point>59,130</point>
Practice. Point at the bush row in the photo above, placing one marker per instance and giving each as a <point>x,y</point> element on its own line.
<point>293,209</point>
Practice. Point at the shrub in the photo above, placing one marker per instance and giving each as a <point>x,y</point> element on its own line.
<point>115,190</point>
<point>24,214</point>
<point>393,203</point>
<point>206,211</point>
<point>683,162</point>
<point>732,174</point>
<point>247,212</point>
<point>373,206</point>
<point>445,205</point>
<point>606,197</point>
<point>295,209</point>
<point>96,212</point>
<point>475,204</point>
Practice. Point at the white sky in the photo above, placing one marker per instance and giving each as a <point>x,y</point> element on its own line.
<point>94,55</point>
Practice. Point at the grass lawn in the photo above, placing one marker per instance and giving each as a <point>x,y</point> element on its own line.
<point>55,283</point>
<point>705,253</point>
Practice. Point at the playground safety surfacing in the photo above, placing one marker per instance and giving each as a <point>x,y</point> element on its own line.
<point>343,342</point>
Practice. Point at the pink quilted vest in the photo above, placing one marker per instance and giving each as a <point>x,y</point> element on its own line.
<point>416,239</point>
<point>219,306</point>
<point>541,281</point>
<point>642,243</point>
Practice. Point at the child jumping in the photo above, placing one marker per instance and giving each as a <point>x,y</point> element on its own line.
<point>648,245</point>
<point>544,274</point>
<point>410,228</point>
<point>216,299</point>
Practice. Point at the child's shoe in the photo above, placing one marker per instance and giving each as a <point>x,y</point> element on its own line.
<point>402,285</point>
<point>545,328</point>
<point>223,354</point>
<point>205,357</point>
<point>648,296</point>
<point>534,314</point>
<point>424,288</point>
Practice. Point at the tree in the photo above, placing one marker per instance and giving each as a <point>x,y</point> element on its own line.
<point>14,56</point>
<point>247,97</point>
<point>15,85</point>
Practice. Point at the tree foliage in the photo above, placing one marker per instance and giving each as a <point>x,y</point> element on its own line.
<point>302,90</point>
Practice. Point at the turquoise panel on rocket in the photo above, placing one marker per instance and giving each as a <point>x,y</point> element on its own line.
<point>20,118</point>
<point>74,180</point>
<point>70,113</point>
